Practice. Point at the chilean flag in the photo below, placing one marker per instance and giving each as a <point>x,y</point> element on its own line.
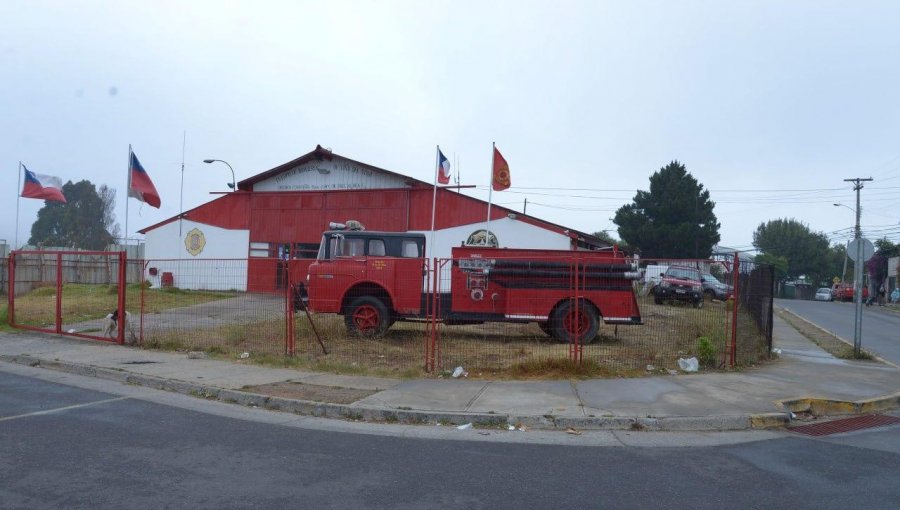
<point>443,169</point>
<point>139,184</point>
<point>44,187</point>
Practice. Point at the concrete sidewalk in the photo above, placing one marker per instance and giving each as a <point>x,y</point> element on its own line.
<point>804,377</point>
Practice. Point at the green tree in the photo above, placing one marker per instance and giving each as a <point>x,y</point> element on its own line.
<point>674,219</point>
<point>779,263</point>
<point>86,221</point>
<point>603,235</point>
<point>806,252</point>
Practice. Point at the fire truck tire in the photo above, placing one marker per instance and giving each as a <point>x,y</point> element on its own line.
<point>566,324</point>
<point>367,316</point>
<point>545,327</point>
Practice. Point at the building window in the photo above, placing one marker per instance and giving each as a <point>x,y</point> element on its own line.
<point>305,250</point>
<point>260,250</point>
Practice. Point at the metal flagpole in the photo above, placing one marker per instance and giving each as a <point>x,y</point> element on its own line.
<point>437,159</point>
<point>487,233</point>
<point>181,197</point>
<point>127,191</point>
<point>18,196</point>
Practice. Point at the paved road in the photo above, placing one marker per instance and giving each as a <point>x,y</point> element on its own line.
<point>73,442</point>
<point>880,329</point>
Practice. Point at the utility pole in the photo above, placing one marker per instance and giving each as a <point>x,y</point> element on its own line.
<point>858,268</point>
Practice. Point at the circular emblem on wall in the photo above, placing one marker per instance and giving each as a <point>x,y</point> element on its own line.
<point>194,242</point>
<point>480,238</point>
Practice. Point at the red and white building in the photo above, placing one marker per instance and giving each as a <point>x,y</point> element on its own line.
<point>280,214</point>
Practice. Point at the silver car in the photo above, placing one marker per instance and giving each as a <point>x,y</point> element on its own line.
<point>823,294</point>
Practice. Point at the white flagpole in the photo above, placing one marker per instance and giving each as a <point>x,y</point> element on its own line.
<point>181,197</point>
<point>18,196</point>
<point>437,164</point>
<point>127,190</point>
<point>487,234</point>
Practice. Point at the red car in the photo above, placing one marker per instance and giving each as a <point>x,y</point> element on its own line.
<point>844,292</point>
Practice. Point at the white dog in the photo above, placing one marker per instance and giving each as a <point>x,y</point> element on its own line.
<point>111,329</point>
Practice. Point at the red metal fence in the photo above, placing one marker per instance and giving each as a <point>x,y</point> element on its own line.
<point>96,285</point>
<point>202,304</point>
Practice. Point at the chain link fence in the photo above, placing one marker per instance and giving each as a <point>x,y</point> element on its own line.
<point>515,314</point>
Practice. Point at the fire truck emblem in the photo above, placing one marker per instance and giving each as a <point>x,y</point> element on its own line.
<point>195,241</point>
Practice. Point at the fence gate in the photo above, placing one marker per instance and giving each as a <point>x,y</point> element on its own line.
<point>69,293</point>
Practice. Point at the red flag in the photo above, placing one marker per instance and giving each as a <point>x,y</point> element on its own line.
<point>500,180</point>
<point>139,184</point>
<point>44,187</point>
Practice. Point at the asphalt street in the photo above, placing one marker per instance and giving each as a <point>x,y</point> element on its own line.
<point>880,327</point>
<point>74,442</point>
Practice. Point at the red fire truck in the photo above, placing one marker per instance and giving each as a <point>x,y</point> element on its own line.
<point>376,278</point>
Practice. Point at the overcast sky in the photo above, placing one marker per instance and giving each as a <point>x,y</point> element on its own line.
<point>770,105</point>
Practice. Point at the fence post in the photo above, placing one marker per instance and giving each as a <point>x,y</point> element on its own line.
<point>289,347</point>
<point>11,290</point>
<point>58,293</point>
<point>123,313</point>
<point>431,341</point>
<point>143,265</point>
<point>734,312</point>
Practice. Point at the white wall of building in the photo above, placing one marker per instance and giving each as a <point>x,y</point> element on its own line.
<point>221,264</point>
<point>337,174</point>
<point>510,233</point>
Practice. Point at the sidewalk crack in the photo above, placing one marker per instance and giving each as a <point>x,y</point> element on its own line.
<point>578,397</point>
<point>475,397</point>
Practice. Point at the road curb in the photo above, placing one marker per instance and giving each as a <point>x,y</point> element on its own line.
<point>832,407</point>
<point>835,335</point>
<point>354,412</point>
<point>409,416</point>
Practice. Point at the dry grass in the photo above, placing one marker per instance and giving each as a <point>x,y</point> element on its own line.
<point>824,339</point>
<point>496,350</point>
<point>82,302</point>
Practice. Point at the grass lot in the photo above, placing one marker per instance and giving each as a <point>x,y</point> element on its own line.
<point>495,350</point>
<point>81,302</point>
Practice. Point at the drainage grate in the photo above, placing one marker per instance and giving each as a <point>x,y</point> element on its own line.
<point>845,425</point>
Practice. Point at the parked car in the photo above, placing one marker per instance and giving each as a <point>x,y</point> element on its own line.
<point>823,294</point>
<point>680,283</point>
<point>714,289</point>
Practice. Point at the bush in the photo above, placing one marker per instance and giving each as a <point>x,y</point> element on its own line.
<point>706,353</point>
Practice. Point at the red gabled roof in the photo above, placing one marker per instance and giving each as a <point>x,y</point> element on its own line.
<point>232,210</point>
<point>319,154</point>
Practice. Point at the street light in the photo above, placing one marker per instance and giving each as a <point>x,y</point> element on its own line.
<point>231,184</point>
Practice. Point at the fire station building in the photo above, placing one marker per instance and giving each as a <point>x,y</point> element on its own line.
<point>246,237</point>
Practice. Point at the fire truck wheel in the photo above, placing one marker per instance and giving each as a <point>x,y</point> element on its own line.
<point>569,323</point>
<point>367,316</point>
<point>545,327</point>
